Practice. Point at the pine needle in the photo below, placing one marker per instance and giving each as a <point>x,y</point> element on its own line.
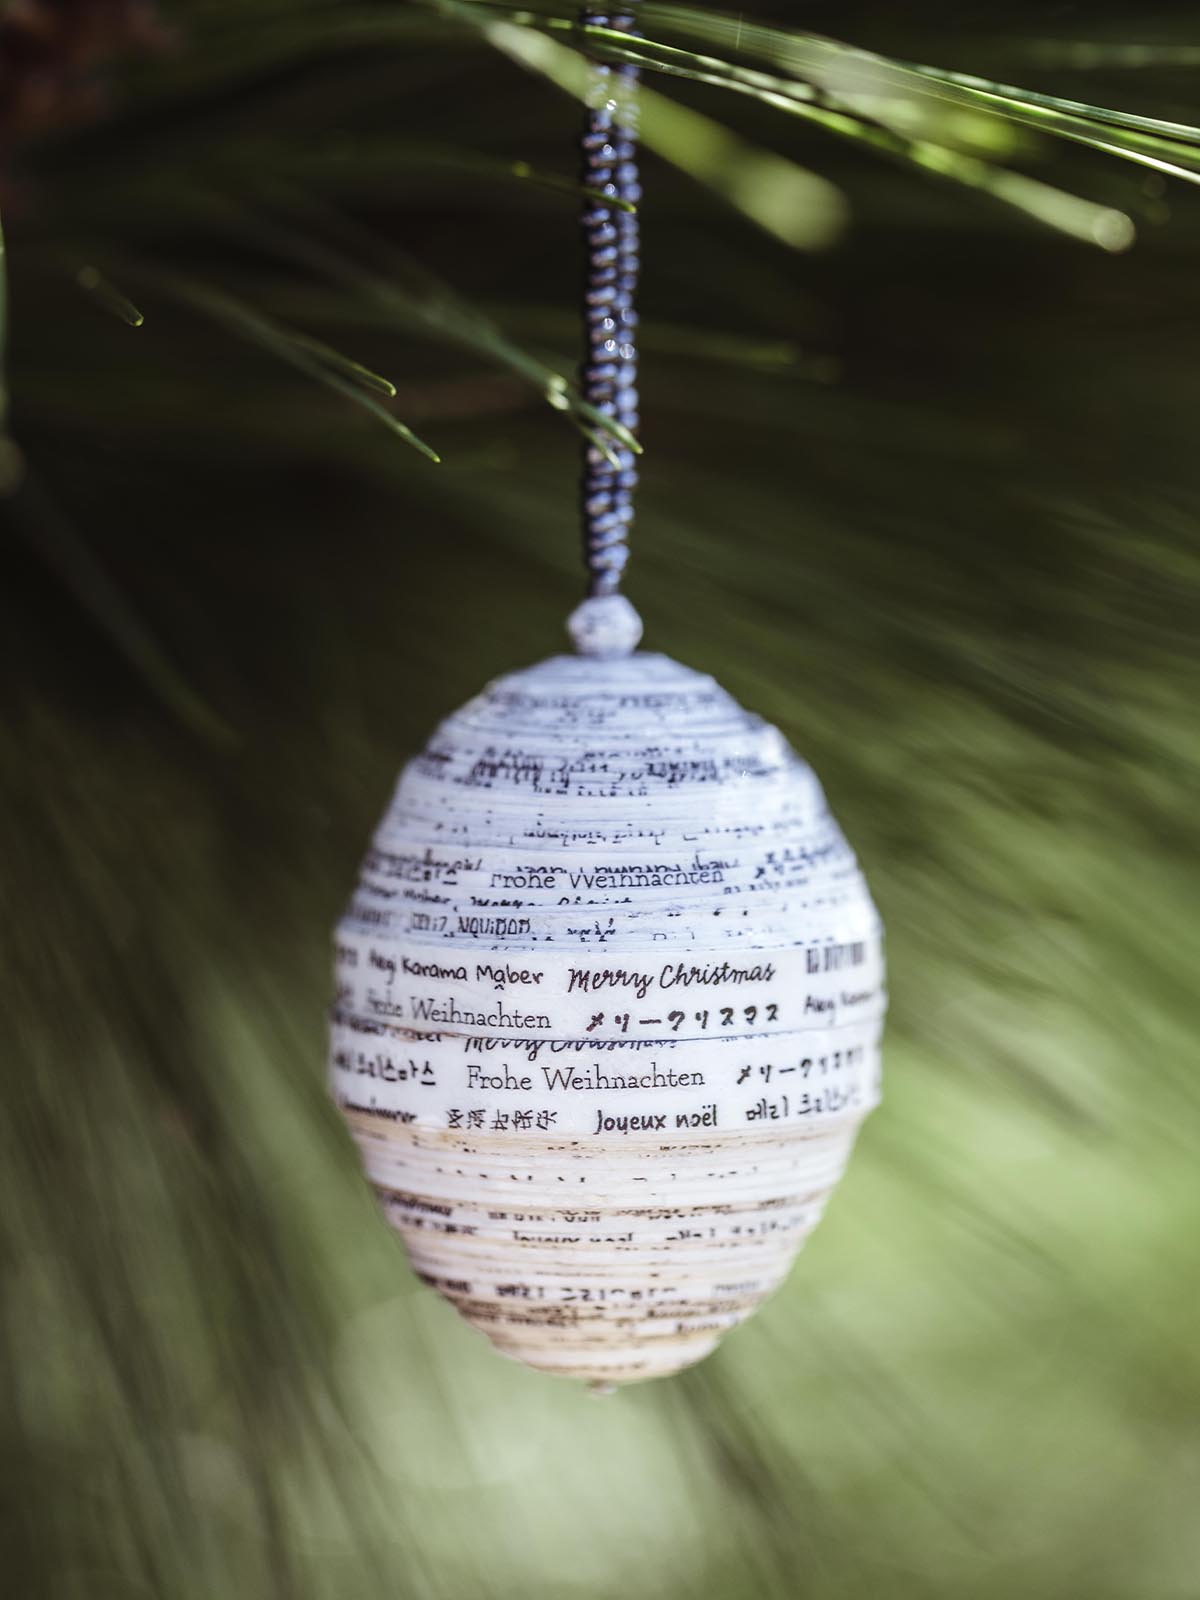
<point>95,284</point>
<point>799,207</point>
<point>307,355</point>
<point>408,294</point>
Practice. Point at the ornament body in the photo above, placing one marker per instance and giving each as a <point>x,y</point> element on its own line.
<point>609,1004</point>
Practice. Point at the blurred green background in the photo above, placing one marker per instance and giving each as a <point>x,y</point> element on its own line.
<point>927,497</point>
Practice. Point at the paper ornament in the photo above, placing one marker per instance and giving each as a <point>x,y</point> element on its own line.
<point>609,1003</point>
<point>610,988</point>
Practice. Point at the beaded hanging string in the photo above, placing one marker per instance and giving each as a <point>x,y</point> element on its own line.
<point>611,242</point>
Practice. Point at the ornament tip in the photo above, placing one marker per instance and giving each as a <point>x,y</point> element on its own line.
<point>605,625</point>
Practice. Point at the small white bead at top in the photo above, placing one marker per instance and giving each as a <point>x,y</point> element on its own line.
<point>605,625</point>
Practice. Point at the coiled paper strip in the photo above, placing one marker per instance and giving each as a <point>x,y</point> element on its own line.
<point>609,1001</point>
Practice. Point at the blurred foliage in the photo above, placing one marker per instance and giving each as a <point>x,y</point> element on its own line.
<point>925,495</point>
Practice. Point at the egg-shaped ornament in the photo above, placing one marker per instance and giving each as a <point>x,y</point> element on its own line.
<point>609,1002</point>
<point>610,988</point>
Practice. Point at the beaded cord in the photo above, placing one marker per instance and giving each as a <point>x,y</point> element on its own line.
<point>611,243</point>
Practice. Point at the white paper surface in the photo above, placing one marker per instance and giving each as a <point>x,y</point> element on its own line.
<point>609,1002</point>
